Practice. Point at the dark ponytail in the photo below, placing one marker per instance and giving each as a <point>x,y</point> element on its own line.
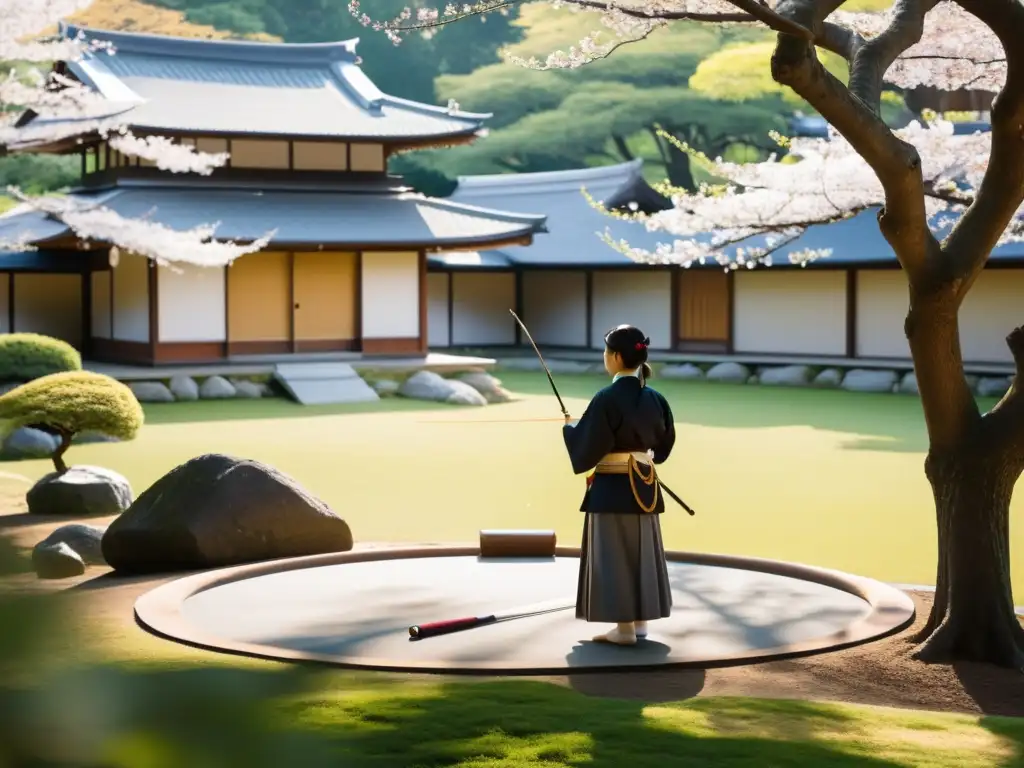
<point>631,343</point>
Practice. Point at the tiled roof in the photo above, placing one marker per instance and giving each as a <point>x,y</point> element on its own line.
<point>241,87</point>
<point>307,217</point>
<point>573,223</point>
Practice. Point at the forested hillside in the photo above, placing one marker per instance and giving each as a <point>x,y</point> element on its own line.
<point>707,85</point>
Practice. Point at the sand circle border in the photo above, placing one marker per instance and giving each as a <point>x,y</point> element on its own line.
<point>159,612</point>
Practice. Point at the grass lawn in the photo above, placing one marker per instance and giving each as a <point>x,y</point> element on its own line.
<point>827,478</point>
<point>817,476</point>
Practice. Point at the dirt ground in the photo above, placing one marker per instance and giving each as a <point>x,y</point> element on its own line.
<point>880,673</point>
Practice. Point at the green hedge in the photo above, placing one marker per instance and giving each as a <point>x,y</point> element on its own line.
<point>73,402</point>
<point>27,356</point>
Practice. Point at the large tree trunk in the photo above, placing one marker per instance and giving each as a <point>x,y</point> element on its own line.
<point>973,616</point>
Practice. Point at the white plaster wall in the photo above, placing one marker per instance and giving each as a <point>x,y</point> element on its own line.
<point>391,295</point>
<point>640,298</point>
<point>5,310</point>
<point>437,309</point>
<point>50,305</point>
<point>191,303</point>
<point>131,298</point>
<point>993,307</point>
<point>100,308</point>
<point>555,307</point>
<point>480,305</point>
<point>882,303</point>
<point>797,312</point>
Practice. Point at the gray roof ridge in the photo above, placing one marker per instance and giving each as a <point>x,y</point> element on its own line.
<point>252,186</point>
<point>554,181</point>
<point>538,220</point>
<point>242,51</point>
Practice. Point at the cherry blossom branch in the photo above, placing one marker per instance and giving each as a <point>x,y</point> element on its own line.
<point>896,163</point>
<point>1001,191</point>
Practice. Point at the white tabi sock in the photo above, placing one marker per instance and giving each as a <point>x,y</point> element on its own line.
<point>640,628</point>
<point>623,634</point>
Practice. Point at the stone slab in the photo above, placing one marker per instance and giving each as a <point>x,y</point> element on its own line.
<point>357,611</point>
<point>324,383</point>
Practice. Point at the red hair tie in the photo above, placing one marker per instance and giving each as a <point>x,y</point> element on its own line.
<point>640,345</point>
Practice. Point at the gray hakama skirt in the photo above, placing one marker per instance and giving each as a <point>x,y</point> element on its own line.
<point>623,575</point>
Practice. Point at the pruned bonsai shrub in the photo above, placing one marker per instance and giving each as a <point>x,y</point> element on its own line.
<point>27,356</point>
<point>70,403</point>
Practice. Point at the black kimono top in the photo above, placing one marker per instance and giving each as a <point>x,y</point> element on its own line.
<point>624,416</point>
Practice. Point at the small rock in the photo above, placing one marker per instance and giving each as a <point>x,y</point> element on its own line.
<point>830,378</point>
<point>992,386</point>
<point>28,443</point>
<point>57,561</point>
<point>866,380</point>
<point>82,491</point>
<point>216,388</point>
<point>386,387</point>
<point>487,385</point>
<point>463,394</point>
<point>686,372</point>
<point>908,385</point>
<point>426,385</point>
<point>150,392</point>
<point>247,389</point>
<point>184,387</point>
<point>265,389</point>
<point>754,379</point>
<point>84,540</point>
<point>729,373</point>
<point>786,376</point>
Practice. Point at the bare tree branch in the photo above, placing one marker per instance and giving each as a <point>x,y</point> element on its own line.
<point>1002,189</point>
<point>874,57</point>
<point>750,11</point>
<point>903,220</point>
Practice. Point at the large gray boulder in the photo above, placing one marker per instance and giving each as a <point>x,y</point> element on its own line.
<point>82,491</point>
<point>150,392</point>
<point>866,380</point>
<point>216,388</point>
<point>786,376</point>
<point>218,510</point>
<point>684,372</point>
<point>84,540</point>
<point>427,385</point>
<point>487,385</point>
<point>28,443</point>
<point>184,387</point>
<point>729,373</point>
<point>56,561</point>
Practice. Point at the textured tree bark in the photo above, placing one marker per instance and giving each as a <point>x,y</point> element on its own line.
<point>973,616</point>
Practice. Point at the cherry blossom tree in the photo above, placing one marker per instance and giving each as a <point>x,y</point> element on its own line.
<point>944,203</point>
<point>62,108</point>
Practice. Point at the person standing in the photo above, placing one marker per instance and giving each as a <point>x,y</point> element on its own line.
<point>625,430</point>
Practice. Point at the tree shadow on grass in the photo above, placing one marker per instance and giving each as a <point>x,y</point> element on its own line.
<point>880,422</point>
<point>526,722</point>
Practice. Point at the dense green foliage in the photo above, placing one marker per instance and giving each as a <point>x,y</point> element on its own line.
<point>71,403</point>
<point>27,356</point>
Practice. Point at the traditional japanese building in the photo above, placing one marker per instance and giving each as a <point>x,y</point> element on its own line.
<point>570,287</point>
<point>309,138</point>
